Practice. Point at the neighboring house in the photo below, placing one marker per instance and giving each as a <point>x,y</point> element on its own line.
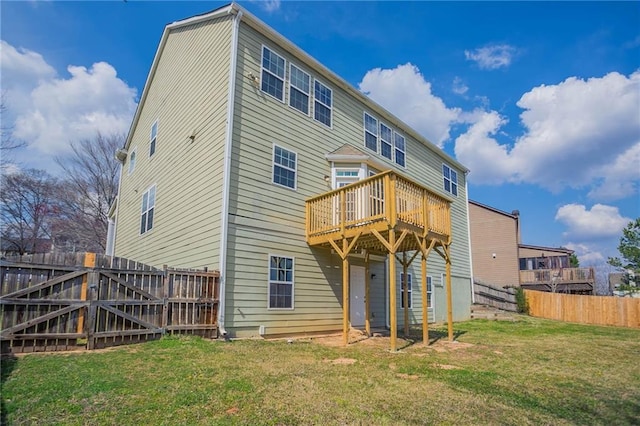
<point>626,279</point>
<point>248,156</point>
<point>500,258</point>
<point>495,236</point>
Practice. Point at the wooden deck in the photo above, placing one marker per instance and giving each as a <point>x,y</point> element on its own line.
<point>564,280</point>
<point>368,209</point>
<point>385,214</point>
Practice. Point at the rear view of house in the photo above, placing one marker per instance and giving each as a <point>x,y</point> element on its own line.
<point>317,205</point>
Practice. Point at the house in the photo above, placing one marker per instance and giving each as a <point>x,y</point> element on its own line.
<point>248,156</point>
<point>500,258</point>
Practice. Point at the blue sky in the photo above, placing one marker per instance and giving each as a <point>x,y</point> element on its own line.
<point>540,100</point>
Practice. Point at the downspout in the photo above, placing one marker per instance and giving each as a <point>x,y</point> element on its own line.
<point>466,191</point>
<point>226,177</point>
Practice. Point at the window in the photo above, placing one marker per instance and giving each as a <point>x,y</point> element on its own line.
<point>409,291</point>
<point>322,103</point>
<point>386,143</point>
<point>148,206</point>
<point>272,74</point>
<point>450,177</point>
<point>398,141</point>
<point>280,282</point>
<point>370,132</point>
<point>299,87</point>
<point>284,167</point>
<point>132,161</point>
<point>154,136</point>
<point>429,293</point>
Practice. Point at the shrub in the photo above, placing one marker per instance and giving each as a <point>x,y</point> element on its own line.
<point>521,301</point>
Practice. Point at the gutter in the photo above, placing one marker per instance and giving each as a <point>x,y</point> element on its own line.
<point>466,191</point>
<point>226,182</point>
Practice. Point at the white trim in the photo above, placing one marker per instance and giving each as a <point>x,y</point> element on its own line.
<point>466,193</point>
<point>295,170</point>
<point>291,86</point>
<point>330,107</point>
<point>432,300</point>
<point>263,69</point>
<point>153,141</point>
<point>155,196</point>
<point>133,156</point>
<point>451,170</point>
<point>386,292</point>
<point>410,276</point>
<point>226,176</point>
<point>293,281</point>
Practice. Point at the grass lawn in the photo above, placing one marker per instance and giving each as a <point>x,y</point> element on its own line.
<point>530,371</point>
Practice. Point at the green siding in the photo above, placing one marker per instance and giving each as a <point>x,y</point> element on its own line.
<point>266,218</point>
<point>188,96</point>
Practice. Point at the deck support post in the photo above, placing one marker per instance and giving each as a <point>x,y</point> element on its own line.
<point>367,285</point>
<point>405,293</point>
<point>393,313</point>
<point>345,292</point>
<point>449,295</point>
<point>425,303</point>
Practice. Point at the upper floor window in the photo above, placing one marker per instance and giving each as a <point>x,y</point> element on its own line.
<point>391,144</point>
<point>280,282</point>
<point>409,291</point>
<point>132,161</point>
<point>450,178</point>
<point>386,142</point>
<point>370,132</point>
<point>299,88</point>
<point>322,103</point>
<point>272,74</point>
<point>284,167</point>
<point>148,207</point>
<point>398,141</point>
<point>154,137</point>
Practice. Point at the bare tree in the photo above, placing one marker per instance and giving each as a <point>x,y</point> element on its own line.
<point>90,187</point>
<point>8,142</point>
<point>27,205</point>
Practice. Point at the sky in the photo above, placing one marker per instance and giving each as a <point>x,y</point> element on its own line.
<point>540,100</point>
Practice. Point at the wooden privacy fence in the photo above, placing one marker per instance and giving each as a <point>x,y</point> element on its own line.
<point>600,310</point>
<point>65,301</point>
<point>498,297</point>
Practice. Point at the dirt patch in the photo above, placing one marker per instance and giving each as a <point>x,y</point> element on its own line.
<point>446,346</point>
<point>341,361</point>
<point>447,367</point>
<point>407,376</point>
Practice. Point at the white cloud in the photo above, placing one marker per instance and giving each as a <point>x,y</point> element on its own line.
<point>405,92</point>
<point>49,110</point>
<point>601,221</point>
<point>578,133</point>
<point>268,5</point>
<point>492,57</point>
<point>459,87</point>
<point>588,255</point>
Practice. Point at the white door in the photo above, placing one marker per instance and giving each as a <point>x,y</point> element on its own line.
<point>356,307</point>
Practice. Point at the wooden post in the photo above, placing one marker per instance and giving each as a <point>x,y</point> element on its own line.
<point>89,262</point>
<point>367,285</point>
<point>345,292</point>
<point>165,297</point>
<point>392,291</point>
<point>449,296</point>
<point>425,303</point>
<point>93,310</point>
<point>405,293</point>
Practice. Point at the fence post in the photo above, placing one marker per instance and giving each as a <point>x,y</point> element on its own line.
<point>165,299</point>
<point>93,279</point>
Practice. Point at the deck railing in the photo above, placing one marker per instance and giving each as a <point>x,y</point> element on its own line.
<point>386,198</point>
<point>564,275</point>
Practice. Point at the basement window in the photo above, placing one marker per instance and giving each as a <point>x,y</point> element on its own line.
<point>280,282</point>
<point>409,291</point>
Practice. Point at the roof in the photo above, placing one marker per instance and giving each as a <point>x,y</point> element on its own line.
<point>270,33</point>
<point>514,215</point>
<point>555,249</point>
